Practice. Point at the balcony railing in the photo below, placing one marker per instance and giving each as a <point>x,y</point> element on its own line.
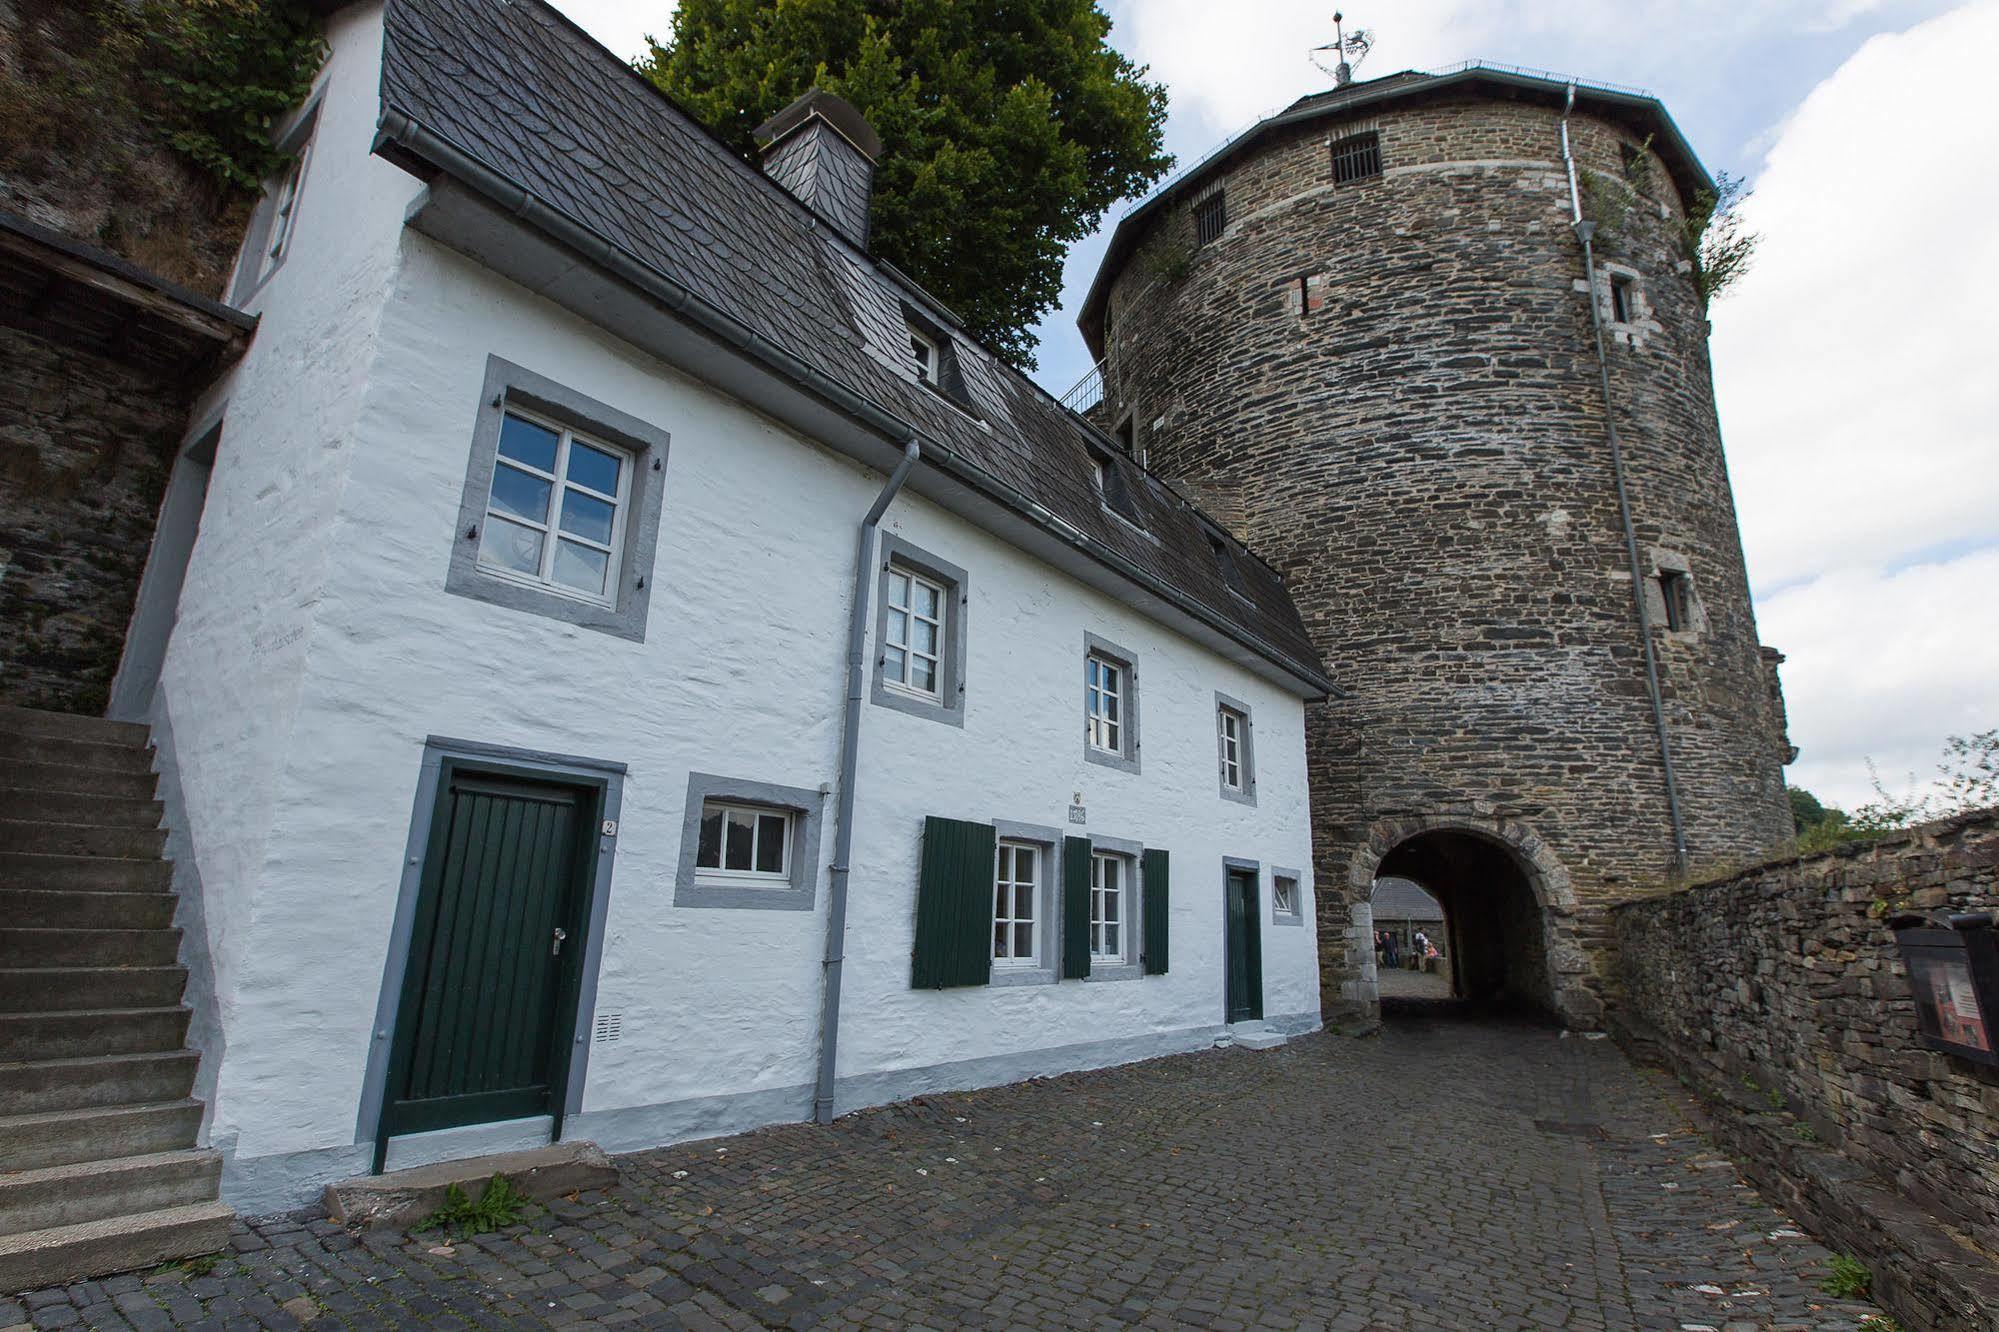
<point>1087,392</point>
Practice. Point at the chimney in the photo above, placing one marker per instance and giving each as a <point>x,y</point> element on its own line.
<point>823,151</point>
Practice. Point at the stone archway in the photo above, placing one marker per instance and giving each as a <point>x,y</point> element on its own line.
<point>1510,898</point>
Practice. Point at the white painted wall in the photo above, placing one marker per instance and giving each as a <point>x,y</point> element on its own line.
<point>318,649</point>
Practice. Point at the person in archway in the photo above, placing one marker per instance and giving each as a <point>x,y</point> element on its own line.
<point>1392,955</point>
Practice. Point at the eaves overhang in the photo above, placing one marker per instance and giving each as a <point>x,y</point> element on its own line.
<point>479,211</point>
<point>1644,112</point>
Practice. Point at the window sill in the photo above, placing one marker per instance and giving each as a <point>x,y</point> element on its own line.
<point>1004,977</point>
<point>1110,758</point>
<point>1122,971</point>
<point>1287,918</point>
<point>1245,797</point>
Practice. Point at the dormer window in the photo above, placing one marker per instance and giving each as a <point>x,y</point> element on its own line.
<point>923,350</point>
<point>1225,562</point>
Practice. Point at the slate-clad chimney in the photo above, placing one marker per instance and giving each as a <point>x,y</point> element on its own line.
<point>823,151</point>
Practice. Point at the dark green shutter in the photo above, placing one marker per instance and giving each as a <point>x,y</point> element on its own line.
<point>1075,908</point>
<point>954,906</point>
<point>1156,911</point>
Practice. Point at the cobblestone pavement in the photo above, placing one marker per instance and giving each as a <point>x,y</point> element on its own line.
<point>1397,983</point>
<point>1441,1175</point>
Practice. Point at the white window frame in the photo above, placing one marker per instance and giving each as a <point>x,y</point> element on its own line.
<point>1006,858</point>
<point>285,209</point>
<point>1101,891</point>
<point>927,355</point>
<point>909,616</point>
<point>1104,681</point>
<point>551,528</point>
<point>1230,725</point>
<point>753,814</point>
<point>1284,895</point>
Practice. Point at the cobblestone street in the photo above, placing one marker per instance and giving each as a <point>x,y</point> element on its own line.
<point>1440,1175</point>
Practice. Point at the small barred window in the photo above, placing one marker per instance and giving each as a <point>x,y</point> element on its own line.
<point>1356,157</point>
<point>1211,218</point>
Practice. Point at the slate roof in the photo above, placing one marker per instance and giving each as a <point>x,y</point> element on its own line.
<point>524,92</point>
<point>1643,113</point>
<point>1404,899</point>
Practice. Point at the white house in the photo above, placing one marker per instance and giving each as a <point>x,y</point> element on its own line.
<point>642,670</point>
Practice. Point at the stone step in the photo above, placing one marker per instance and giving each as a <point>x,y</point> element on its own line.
<point>54,777</point>
<point>70,726</point>
<point>402,1196</point>
<point>82,1032</point>
<point>41,1258</point>
<point>69,1195</point>
<point>92,874</point>
<point>1256,1035</point>
<point>115,757</point>
<point>68,909</point>
<point>59,989</point>
<point>38,1086</point>
<point>84,911</point>
<point>88,948</point>
<point>40,837</point>
<point>97,1133</point>
<point>60,806</point>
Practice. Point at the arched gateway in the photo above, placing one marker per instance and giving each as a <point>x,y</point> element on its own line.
<point>1509,908</point>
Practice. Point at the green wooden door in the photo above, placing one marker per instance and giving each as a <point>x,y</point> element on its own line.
<point>489,992</point>
<point>1244,944</point>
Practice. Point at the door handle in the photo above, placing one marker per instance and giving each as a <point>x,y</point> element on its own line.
<point>560,935</point>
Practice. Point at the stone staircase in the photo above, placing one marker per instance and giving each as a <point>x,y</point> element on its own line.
<point>99,1171</point>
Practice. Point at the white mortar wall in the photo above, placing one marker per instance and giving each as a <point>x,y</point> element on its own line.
<point>318,649</point>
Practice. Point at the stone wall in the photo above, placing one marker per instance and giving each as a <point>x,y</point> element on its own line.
<point>85,444</point>
<point>1779,994</point>
<point>1388,388</point>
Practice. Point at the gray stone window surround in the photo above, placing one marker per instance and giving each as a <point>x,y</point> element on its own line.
<point>1295,916</point>
<point>1665,562</point>
<point>949,706</point>
<point>1048,906</point>
<point>1127,757</point>
<point>1246,796</point>
<point>292,139</point>
<point>507,383</point>
<point>1133,968</point>
<point>807,808</point>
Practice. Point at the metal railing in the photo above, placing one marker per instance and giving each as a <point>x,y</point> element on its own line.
<point>1086,392</point>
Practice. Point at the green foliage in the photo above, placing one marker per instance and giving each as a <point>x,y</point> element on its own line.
<point>214,76</point>
<point>1879,1322</point>
<point>1804,1132</point>
<point>1806,810</point>
<point>500,1205</point>
<point>1009,127</point>
<point>1607,203</point>
<point>1848,1280</point>
<point>1715,239</point>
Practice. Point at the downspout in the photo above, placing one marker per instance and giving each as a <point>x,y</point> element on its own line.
<point>1586,233</point>
<point>850,749</point>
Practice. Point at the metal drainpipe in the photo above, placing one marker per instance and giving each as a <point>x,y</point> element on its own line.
<point>850,748</point>
<point>1586,233</point>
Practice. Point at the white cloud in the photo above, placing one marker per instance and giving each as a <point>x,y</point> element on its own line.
<point>621,25</point>
<point>1884,666</point>
<point>1855,363</point>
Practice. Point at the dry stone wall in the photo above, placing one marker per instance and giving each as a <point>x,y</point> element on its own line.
<point>1388,387</point>
<point>85,444</point>
<point>1779,994</point>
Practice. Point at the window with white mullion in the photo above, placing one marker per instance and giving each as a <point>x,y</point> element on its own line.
<point>1108,931</point>
<point>1105,696</point>
<point>555,513</point>
<point>286,207</point>
<point>912,651</point>
<point>1231,724</point>
<point>744,842</point>
<point>1016,881</point>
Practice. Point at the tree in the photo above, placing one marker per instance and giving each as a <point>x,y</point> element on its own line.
<point>1008,127</point>
<point>1967,779</point>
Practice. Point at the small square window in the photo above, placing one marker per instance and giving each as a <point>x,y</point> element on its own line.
<point>1211,218</point>
<point>1287,899</point>
<point>1111,883</point>
<point>1016,893</point>
<point>1623,298</point>
<point>555,509</point>
<point>923,350</point>
<point>744,842</point>
<point>1676,589</point>
<point>1356,157</point>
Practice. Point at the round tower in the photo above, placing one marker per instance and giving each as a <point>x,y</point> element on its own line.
<point>1362,336</point>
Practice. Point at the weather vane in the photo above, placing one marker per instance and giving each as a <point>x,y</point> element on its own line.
<point>1356,44</point>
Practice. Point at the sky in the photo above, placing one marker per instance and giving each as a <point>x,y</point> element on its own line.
<point>1856,365</point>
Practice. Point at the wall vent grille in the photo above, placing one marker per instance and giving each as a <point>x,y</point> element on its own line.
<point>610,1026</point>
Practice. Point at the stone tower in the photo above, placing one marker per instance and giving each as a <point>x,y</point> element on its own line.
<point>1361,335</point>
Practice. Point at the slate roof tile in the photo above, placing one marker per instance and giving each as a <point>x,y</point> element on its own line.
<point>557,114</point>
